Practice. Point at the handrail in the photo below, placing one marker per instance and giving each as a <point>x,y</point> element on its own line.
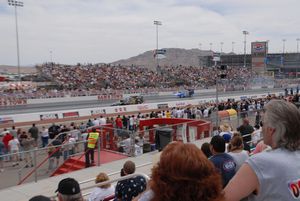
<point>46,147</point>
<point>113,173</point>
<point>78,159</point>
<point>111,181</point>
<point>58,147</point>
<point>20,170</point>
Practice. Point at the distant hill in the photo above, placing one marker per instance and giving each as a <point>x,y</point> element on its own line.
<point>13,69</point>
<point>174,57</point>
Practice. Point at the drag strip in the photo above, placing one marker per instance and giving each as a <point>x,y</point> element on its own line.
<point>48,107</point>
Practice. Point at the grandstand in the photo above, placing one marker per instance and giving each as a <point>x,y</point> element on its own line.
<point>285,65</point>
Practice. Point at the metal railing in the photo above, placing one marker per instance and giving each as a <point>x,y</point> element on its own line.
<point>108,182</point>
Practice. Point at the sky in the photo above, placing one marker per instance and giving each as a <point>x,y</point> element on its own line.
<point>96,31</point>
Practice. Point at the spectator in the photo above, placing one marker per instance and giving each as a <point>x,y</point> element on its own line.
<point>96,122</point>
<point>40,198</point>
<point>1,156</point>
<point>119,125</point>
<point>246,130</point>
<point>69,146</point>
<point>260,147</point>
<point>256,135</point>
<point>223,162</point>
<point>236,150</point>
<point>82,127</point>
<point>226,132</point>
<point>53,131</point>
<point>34,132</point>
<point>102,120</point>
<point>205,148</point>
<point>183,173</point>
<point>14,147</point>
<point>69,190</point>
<point>127,189</point>
<point>7,137</point>
<point>54,152</point>
<point>125,122</point>
<point>13,132</point>
<point>28,144</point>
<point>44,136</point>
<point>272,175</point>
<point>100,192</point>
<point>89,123</point>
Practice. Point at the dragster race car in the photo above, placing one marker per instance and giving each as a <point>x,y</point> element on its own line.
<point>185,93</point>
<point>132,100</point>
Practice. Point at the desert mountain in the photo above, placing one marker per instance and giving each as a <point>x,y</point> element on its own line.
<point>173,57</point>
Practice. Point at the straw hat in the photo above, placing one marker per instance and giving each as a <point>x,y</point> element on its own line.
<point>225,127</point>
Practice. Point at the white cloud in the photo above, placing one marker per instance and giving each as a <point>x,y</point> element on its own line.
<point>108,30</point>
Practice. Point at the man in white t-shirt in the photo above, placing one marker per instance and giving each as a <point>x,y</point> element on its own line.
<point>96,122</point>
<point>14,147</point>
<point>44,136</point>
<point>206,113</point>
<point>102,120</point>
<point>131,123</point>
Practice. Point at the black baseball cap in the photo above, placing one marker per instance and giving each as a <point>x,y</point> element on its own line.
<point>68,186</point>
<point>40,198</point>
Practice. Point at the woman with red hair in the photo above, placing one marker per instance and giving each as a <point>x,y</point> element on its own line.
<point>183,173</point>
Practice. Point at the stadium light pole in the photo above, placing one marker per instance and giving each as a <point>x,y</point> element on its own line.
<point>283,45</point>
<point>17,4</point>
<point>232,46</point>
<point>157,23</point>
<point>245,41</point>
<point>200,46</point>
<point>210,45</point>
<point>298,39</point>
<point>221,44</point>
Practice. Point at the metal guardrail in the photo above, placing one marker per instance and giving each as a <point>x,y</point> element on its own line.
<point>113,173</point>
<point>108,182</point>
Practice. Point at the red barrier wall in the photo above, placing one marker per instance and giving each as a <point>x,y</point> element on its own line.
<point>202,126</point>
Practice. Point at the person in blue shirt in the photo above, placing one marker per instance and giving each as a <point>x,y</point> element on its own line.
<point>223,162</point>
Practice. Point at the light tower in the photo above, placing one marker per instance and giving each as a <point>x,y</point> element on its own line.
<point>245,41</point>
<point>17,4</point>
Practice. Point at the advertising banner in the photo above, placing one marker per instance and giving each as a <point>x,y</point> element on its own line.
<point>98,111</point>
<point>163,106</point>
<point>48,116</point>
<point>259,49</point>
<point>70,114</point>
<point>120,109</point>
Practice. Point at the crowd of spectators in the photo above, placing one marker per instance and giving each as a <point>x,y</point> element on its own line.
<point>88,80</point>
<point>121,78</point>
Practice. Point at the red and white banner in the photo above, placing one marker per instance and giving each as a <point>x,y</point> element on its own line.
<point>70,114</point>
